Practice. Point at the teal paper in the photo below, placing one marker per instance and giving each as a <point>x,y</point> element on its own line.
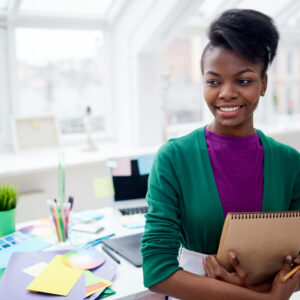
<point>1,272</point>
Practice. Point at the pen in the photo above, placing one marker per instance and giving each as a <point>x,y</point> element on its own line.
<point>289,274</point>
<point>97,241</point>
<point>108,252</point>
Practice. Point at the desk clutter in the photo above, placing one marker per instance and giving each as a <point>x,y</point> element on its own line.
<point>39,275</point>
<point>29,273</point>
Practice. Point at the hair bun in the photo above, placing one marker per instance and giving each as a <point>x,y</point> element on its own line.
<point>247,32</point>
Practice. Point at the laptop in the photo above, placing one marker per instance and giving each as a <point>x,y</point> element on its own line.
<point>129,201</point>
<point>128,247</point>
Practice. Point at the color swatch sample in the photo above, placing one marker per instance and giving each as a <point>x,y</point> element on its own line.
<point>123,167</point>
<point>94,283</point>
<point>103,187</point>
<point>18,241</point>
<point>84,259</point>
<point>56,278</point>
<point>145,163</point>
<point>40,230</point>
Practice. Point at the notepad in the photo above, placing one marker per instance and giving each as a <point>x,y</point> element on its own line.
<point>260,240</point>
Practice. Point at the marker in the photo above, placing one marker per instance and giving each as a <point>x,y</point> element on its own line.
<point>97,241</point>
<point>110,254</point>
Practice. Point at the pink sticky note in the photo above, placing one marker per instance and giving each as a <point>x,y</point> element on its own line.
<point>123,167</point>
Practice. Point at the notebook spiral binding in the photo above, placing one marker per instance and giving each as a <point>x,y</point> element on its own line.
<point>265,215</point>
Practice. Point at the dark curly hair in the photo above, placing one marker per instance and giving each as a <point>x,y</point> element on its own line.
<point>247,32</point>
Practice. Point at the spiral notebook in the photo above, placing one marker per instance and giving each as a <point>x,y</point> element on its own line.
<point>260,240</point>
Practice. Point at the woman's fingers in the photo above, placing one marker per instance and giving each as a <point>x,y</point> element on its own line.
<point>241,272</point>
<point>209,270</point>
<point>297,260</point>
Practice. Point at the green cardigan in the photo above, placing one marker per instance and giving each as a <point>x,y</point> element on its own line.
<point>184,205</point>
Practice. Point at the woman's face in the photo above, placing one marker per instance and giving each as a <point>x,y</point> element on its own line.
<point>232,87</point>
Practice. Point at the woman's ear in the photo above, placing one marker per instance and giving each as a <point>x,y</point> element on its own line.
<point>264,85</point>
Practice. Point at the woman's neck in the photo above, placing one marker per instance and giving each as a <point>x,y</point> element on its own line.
<point>238,131</point>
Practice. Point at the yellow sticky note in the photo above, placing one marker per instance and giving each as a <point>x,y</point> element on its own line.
<point>56,278</point>
<point>103,187</point>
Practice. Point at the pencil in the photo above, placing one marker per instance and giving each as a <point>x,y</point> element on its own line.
<point>289,274</point>
<point>108,252</point>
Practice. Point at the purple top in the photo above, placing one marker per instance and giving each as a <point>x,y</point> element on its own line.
<point>237,164</point>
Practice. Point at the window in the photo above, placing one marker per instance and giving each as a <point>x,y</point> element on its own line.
<point>61,72</point>
<point>79,7</point>
<point>181,82</point>
<point>3,4</point>
<point>289,62</point>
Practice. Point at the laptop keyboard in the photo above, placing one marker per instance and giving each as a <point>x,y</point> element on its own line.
<point>134,210</point>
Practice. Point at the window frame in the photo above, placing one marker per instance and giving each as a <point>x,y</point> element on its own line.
<point>23,20</point>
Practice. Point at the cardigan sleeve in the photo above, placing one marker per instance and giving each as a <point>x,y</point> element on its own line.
<point>161,241</point>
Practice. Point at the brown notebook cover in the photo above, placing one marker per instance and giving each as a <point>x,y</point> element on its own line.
<point>260,240</point>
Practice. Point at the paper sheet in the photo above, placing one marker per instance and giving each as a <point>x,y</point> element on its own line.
<point>123,167</point>
<point>103,187</point>
<point>35,269</point>
<point>56,278</point>
<point>145,163</point>
<point>94,283</point>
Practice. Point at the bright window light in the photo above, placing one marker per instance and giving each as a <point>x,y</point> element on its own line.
<point>81,7</point>
<point>181,88</point>
<point>61,72</point>
<point>3,4</point>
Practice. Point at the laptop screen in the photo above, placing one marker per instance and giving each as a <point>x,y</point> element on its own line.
<point>130,187</point>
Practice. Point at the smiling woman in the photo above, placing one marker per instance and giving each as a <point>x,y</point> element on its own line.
<point>226,166</point>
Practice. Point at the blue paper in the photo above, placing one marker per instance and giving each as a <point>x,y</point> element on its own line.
<point>145,163</point>
<point>88,216</point>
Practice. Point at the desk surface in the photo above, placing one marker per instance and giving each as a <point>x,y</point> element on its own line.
<point>129,280</point>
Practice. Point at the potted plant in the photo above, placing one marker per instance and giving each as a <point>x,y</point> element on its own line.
<point>8,203</point>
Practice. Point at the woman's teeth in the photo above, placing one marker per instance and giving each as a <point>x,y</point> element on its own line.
<point>229,108</point>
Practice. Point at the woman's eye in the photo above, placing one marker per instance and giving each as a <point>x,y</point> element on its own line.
<point>244,81</point>
<point>212,82</point>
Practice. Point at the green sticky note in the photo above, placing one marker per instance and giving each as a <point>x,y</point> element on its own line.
<point>1,272</point>
<point>103,187</point>
<point>90,278</point>
<point>111,163</point>
<point>107,292</point>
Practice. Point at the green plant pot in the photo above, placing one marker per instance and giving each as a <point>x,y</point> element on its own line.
<point>7,221</point>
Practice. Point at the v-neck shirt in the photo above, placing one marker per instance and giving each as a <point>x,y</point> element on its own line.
<point>184,204</point>
<point>237,164</point>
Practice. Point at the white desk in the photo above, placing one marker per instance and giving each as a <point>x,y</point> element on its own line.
<point>129,280</point>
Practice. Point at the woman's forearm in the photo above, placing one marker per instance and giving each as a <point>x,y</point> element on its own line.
<point>188,286</point>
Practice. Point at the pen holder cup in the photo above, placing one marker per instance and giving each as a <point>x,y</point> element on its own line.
<point>60,219</point>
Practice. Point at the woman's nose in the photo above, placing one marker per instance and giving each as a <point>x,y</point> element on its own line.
<point>228,92</point>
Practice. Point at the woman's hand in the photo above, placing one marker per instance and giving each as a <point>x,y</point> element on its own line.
<point>213,269</point>
<point>283,290</point>
<point>239,276</point>
<point>296,261</point>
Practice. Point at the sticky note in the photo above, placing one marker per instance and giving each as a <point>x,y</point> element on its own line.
<point>94,283</point>
<point>145,163</point>
<point>103,187</point>
<point>1,272</point>
<point>56,278</point>
<point>123,167</point>
<point>111,163</point>
<point>35,269</point>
